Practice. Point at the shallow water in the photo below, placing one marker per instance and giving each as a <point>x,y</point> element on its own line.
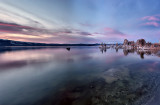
<point>81,76</point>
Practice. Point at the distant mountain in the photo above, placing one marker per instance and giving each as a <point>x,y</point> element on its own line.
<point>4,42</point>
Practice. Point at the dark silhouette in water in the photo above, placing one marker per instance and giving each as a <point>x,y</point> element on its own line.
<point>142,55</point>
<point>117,50</point>
<point>68,48</point>
<point>127,51</point>
<point>103,50</point>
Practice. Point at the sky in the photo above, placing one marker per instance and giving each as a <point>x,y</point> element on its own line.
<point>80,21</point>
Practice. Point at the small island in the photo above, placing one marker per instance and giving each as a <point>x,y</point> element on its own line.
<point>140,44</point>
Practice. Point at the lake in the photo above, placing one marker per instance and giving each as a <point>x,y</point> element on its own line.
<point>79,76</point>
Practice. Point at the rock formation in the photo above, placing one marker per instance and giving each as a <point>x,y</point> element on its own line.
<point>141,42</point>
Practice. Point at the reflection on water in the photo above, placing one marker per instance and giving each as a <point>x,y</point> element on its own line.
<point>80,76</point>
<point>141,52</point>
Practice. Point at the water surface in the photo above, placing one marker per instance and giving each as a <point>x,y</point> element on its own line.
<point>81,76</point>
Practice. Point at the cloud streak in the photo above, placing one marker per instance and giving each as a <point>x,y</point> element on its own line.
<point>26,33</point>
<point>151,21</point>
<point>110,34</point>
<point>155,24</point>
<point>151,18</point>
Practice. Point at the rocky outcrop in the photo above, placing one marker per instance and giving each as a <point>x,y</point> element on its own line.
<point>141,42</point>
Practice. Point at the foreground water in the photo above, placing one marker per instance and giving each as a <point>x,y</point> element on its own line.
<point>81,76</point>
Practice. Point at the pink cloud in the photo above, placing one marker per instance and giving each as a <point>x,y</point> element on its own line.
<point>151,24</point>
<point>14,25</point>
<point>113,32</point>
<point>24,33</point>
<point>108,29</point>
<point>108,33</point>
<point>150,18</point>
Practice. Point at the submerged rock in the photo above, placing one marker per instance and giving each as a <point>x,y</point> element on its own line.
<point>116,86</point>
<point>115,74</point>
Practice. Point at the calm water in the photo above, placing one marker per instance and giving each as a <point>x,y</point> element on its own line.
<point>81,76</point>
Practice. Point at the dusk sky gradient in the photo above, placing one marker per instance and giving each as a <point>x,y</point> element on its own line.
<point>79,21</point>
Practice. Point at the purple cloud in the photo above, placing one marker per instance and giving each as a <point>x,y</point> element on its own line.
<point>151,18</point>
<point>85,33</point>
<point>110,34</point>
<point>43,35</point>
<point>155,24</point>
<point>151,21</point>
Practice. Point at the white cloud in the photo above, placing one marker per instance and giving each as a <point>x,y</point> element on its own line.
<point>12,14</point>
